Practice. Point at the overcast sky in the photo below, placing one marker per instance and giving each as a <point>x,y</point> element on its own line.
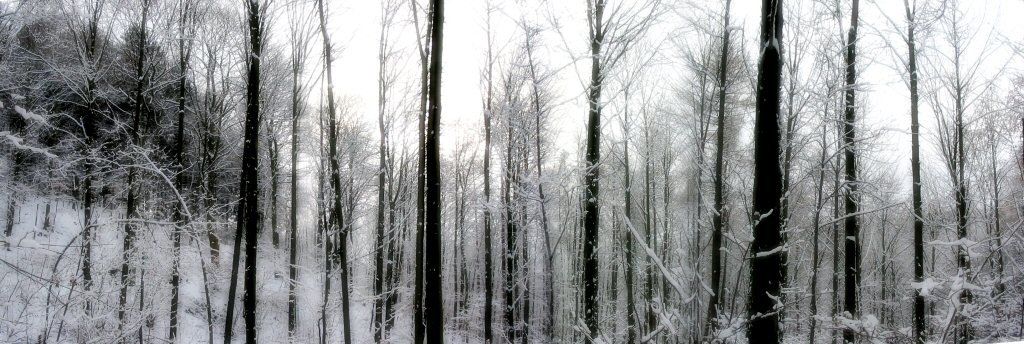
<point>355,28</point>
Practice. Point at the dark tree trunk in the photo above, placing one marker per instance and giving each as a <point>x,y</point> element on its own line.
<point>433,303</point>
<point>488,273</point>
<point>542,201</point>
<point>337,215</point>
<point>591,180</point>
<point>298,59</point>
<point>229,317</point>
<point>818,199</point>
<point>511,253</point>
<point>89,129</point>
<point>631,313</point>
<point>964,328</point>
<point>274,157</point>
<point>382,169</point>
<point>419,327</point>
<point>836,213</point>
<point>250,165</point>
<point>718,216</point>
<point>852,275</point>
<point>179,178</point>
<point>131,200</point>
<point>915,167</point>
<point>767,263</point>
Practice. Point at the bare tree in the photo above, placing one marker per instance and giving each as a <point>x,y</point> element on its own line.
<point>611,32</point>
<point>432,227</point>
<point>851,200</point>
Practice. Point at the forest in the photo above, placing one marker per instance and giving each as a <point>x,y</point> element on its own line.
<point>529,171</point>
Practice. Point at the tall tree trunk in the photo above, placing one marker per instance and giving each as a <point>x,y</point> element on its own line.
<point>718,216</point>
<point>298,52</point>
<point>920,328</point>
<point>250,166</point>
<point>631,313</point>
<point>542,201</point>
<point>382,168</point>
<point>179,178</point>
<point>433,303</point>
<point>768,258</point>
<point>131,200</point>
<point>964,329</point>
<point>815,256</point>
<point>89,129</point>
<point>274,157</point>
<point>591,180</point>
<point>488,113</point>
<point>337,215</point>
<point>229,317</point>
<point>511,253</point>
<point>836,213</point>
<point>852,273</point>
<point>419,327</point>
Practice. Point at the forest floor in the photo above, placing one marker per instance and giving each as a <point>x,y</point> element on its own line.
<point>42,295</point>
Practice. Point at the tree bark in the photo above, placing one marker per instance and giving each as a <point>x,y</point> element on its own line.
<point>767,269</point>
<point>591,180</point>
<point>433,303</point>
<point>488,113</point>
<point>337,215</point>
<point>852,273</point>
<point>179,178</point>
<point>920,328</point>
<point>631,313</point>
<point>250,166</point>
<point>718,216</point>
<point>131,199</point>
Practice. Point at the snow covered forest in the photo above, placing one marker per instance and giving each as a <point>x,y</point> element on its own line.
<point>529,171</point>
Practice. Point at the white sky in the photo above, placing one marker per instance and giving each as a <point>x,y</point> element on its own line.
<point>355,29</point>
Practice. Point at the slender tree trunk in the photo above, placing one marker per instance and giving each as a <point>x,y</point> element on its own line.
<point>836,213</point>
<point>649,234</point>
<point>964,328</point>
<point>274,157</point>
<point>250,166</point>
<point>627,246</point>
<point>298,59</point>
<point>488,113</point>
<point>229,317</point>
<point>997,227</point>
<point>179,178</point>
<point>542,201</point>
<point>920,328</point>
<point>419,327</point>
<point>131,200</point>
<point>511,254</point>
<point>89,129</point>
<point>718,216</point>
<point>591,180</point>
<point>818,199</point>
<point>337,215</point>
<point>768,257</point>
<point>433,303</point>
<point>852,273</point>
<point>382,242</point>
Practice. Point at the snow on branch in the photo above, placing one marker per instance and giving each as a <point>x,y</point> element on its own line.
<point>654,257</point>
<point>29,115</point>
<point>17,142</point>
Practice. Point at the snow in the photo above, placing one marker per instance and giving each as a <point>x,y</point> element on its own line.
<point>769,252</point>
<point>925,286</point>
<point>29,115</point>
<point>17,142</point>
